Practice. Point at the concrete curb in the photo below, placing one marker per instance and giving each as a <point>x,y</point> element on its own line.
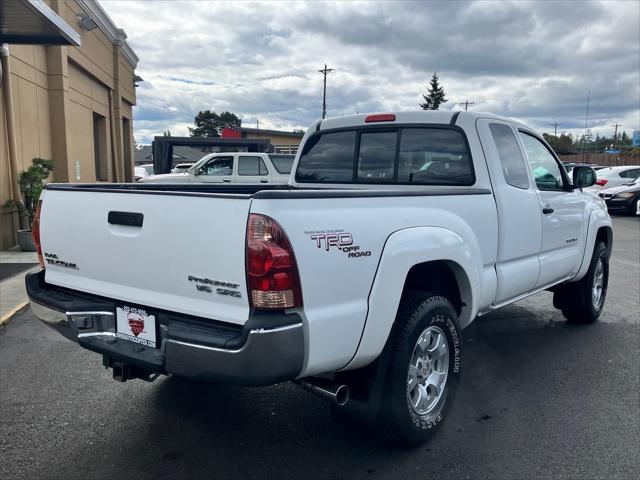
<point>6,318</point>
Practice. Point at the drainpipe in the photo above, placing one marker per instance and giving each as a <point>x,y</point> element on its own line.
<point>14,188</point>
<point>114,161</point>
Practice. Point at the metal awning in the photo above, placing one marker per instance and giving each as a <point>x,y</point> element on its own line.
<point>33,22</point>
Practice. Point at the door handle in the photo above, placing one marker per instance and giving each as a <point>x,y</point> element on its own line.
<point>546,210</point>
<point>264,181</point>
<point>129,219</point>
<point>226,179</point>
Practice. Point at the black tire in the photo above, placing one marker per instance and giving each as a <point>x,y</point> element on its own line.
<point>575,299</point>
<point>397,419</point>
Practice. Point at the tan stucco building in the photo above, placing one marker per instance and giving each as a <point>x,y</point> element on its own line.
<point>282,141</point>
<point>70,103</point>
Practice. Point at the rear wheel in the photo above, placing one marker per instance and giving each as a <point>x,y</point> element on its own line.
<point>423,370</point>
<point>582,302</point>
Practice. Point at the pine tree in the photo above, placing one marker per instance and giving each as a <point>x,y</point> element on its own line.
<point>435,96</point>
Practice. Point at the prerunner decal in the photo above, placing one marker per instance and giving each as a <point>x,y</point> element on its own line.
<point>204,284</point>
<point>52,259</point>
<point>340,240</point>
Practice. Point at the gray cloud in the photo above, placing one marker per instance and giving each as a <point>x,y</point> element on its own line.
<point>532,60</point>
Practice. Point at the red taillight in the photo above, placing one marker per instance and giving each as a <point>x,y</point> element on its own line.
<point>601,182</point>
<point>380,117</point>
<point>272,273</point>
<point>35,232</point>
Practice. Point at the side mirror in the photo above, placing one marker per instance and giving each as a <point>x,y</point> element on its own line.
<point>583,176</point>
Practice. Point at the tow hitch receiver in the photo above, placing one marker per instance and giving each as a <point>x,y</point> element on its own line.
<point>123,372</point>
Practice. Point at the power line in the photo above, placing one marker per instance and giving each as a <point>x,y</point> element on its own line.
<point>190,115</point>
<point>324,72</point>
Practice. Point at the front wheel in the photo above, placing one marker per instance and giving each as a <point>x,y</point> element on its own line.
<point>423,370</point>
<point>582,302</point>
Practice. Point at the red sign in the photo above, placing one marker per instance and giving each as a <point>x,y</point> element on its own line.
<point>228,132</point>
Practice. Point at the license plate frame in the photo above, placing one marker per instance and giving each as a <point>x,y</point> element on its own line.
<point>137,325</point>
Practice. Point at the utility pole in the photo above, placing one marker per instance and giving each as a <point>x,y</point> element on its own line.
<point>586,120</point>
<point>615,135</point>
<point>324,72</point>
<point>466,104</point>
<point>555,133</point>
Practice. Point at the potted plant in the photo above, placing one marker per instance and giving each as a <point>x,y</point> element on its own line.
<point>31,182</point>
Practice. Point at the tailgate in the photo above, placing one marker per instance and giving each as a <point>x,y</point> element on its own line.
<point>187,256</point>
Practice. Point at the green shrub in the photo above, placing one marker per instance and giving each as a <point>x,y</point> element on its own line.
<point>31,182</point>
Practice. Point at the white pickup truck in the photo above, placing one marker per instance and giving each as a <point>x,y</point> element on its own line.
<point>355,280</point>
<point>232,167</point>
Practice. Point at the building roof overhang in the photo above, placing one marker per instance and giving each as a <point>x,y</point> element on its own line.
<point>33,22</point>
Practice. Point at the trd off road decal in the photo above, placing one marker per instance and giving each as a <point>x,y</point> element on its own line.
<point>328,240</point>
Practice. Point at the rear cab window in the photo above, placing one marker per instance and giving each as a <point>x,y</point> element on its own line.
<point>510,155</point>
<point>430,155</point>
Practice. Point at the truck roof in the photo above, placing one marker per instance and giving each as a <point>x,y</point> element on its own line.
<point>416,116</point>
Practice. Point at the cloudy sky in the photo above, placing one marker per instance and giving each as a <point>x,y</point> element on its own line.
<point>531,60</point>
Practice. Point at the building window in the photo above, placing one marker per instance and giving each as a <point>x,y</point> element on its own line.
<point>100,147</point>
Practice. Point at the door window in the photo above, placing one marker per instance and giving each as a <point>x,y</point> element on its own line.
<point>513,165</point>
<point>251,166</point>
<point>218,167</point>
<point>545,168</point>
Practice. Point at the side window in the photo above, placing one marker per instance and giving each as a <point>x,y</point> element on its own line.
<point>434,156</point>
<point>251,166</point>
<point>218,166</point>
<point>633,173</point>
<point>546,170</point>
<point>376,157</point>
<point>328,158</point>
<point>513,163</point>
<point>282,163</point>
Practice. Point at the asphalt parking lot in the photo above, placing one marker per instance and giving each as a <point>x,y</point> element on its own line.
<point>539,398</point>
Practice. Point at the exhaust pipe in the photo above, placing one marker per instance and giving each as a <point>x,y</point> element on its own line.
<point>327,389</point>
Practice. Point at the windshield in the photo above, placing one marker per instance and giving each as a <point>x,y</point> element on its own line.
<point>283,163</point>
<point>194,168</point>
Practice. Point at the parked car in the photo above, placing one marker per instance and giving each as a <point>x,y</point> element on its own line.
<point>182,167</point>
<point>148,167</point>
<point>569,166</point>
<point>355,280</point>
<point>233,167</point>
<point>624,199</point>
<point>615,176</point>
<point>139,172</point>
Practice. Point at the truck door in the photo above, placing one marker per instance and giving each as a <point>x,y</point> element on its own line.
<point>563,212</point>
<point>252,169</point>
<point>519,216</point>
<point>216,170</point>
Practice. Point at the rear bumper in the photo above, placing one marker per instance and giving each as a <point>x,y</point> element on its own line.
<point>268,349</point>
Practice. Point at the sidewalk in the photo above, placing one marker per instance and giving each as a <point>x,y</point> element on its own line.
<point>14,266</point>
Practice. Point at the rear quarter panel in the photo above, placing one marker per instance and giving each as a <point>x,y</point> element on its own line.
<point>336,288</point>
